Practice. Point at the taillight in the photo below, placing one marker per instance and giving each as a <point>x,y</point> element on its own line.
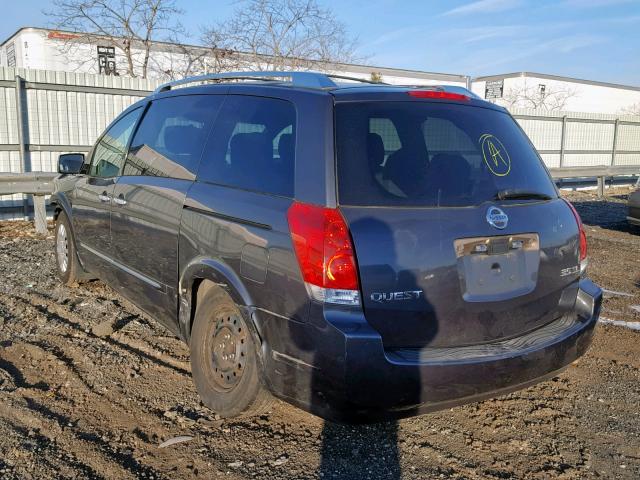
<point>323,247</point>
<point>583,238</point>
<point>440,94</point>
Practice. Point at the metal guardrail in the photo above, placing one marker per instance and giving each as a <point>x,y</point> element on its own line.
<point>37,184</point>
<point>595,171</point>
<point>600,172</point>
<point>40,184</point>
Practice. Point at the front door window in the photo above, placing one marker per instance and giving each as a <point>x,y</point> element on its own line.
<point>109,155</point>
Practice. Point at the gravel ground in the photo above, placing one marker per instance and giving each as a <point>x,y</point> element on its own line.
<point>90,388</point>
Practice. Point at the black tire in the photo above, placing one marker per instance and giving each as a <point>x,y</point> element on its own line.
<point>70,272</point>
<point>224,358</point>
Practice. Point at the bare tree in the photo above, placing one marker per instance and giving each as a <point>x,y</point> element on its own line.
<point>177,60</point>
<point>130,26</point>
<point>539,97</point>
<point>280,35</point>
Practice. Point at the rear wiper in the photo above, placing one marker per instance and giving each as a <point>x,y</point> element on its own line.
<point>511,194</point>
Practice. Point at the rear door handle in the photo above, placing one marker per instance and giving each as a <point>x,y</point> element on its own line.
<point>103,197</point>
<point>119,200</point>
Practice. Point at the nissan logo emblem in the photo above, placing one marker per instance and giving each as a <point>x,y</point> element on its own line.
<point>497,218</point>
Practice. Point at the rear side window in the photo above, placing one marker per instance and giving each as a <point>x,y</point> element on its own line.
<point>109,154</point>
<point>252,146</point>
<point>170,138</point>
<point>428,154</point>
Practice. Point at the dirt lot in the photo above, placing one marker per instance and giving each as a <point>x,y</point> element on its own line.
<point>89,388</point>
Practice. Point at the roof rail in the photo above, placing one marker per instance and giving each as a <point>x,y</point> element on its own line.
<point>298,79</point>
<point>354,79</point>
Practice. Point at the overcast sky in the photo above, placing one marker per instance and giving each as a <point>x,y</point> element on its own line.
<point>591,39</point>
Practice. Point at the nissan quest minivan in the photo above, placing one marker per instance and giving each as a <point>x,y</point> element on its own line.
<point>362,251</point>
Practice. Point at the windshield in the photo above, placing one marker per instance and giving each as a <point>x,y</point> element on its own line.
<point>428,154</point>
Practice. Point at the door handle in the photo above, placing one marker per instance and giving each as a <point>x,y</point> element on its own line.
<point>103,197</point>
<point>119,200</point>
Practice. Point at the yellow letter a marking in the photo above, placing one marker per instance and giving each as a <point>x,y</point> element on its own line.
<point>496,154</point>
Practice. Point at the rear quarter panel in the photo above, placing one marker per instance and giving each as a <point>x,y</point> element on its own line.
<point>247,234</point>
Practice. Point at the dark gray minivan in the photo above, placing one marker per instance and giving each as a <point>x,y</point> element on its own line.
<point>362,251</point>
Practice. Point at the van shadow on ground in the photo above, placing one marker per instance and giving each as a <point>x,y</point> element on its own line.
<point>360,451</point>
<point>371,451</point>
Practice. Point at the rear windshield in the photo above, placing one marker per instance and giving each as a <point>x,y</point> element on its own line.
<point>427,154</point>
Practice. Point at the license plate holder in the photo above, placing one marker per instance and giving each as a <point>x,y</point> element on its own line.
<point>497,268</point>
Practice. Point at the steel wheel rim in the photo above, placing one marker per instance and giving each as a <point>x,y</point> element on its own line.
<point>229,350</point>
<point>62,248</point>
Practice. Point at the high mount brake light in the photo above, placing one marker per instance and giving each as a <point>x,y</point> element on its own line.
<point>325,254</point>
<point>583,238</point>
<point>439,94</point>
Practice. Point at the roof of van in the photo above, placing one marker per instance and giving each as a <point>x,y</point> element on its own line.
<point>341,92</point>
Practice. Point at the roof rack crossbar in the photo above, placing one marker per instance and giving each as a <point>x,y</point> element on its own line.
<point>301,79</point>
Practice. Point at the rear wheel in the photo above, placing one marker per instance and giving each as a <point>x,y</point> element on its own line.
<point>66,257</point>
<point>224,360</point>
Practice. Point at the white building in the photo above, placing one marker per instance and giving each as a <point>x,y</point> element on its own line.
<point>43,49</point>
<point>551,92</point>
<point>38,48</point>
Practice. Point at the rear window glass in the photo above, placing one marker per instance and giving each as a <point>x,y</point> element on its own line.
<point>426,154</point>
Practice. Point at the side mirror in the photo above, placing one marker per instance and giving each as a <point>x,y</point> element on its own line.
<point>70,163</point>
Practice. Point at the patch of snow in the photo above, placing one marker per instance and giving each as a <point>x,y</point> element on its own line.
<point>620,294</point>
<point>620,323</point>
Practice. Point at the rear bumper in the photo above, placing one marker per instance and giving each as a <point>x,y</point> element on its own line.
<point>367,383</point>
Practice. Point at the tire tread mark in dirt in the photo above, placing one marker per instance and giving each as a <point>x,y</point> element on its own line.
<point>69,459</point>
<point>6,314</point>
<point>444,452</point>
<point>46,461</point>
<point>67,361</point>
<point>130,349</point>
<point>124,321</point>
<point>461,463</point>
<point>125,460</point>
<point>18,377</point>
<point>495,473</point>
